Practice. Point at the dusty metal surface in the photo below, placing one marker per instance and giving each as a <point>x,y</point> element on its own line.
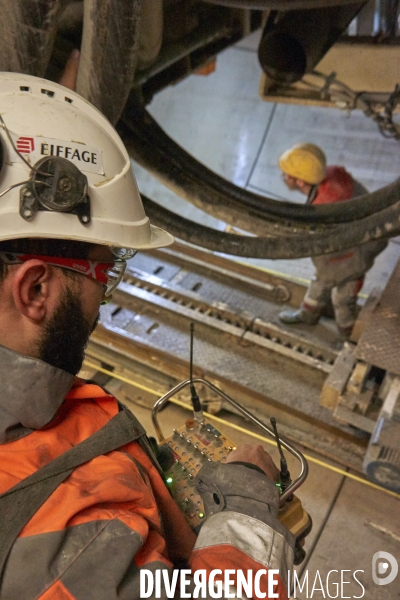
<point>380,341</point>
<point>217,279</point>
<point>145,333</point>
<point>159,371</point>
<point>219,352</point>
<point>220,271</point>
<point>218,315</point>
<point>234,342</point>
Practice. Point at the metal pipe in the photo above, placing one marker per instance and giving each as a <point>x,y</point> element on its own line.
<point>246,413</point>
<point>299,39</point>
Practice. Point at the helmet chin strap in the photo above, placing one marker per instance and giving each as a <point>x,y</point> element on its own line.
<point>55,184</point>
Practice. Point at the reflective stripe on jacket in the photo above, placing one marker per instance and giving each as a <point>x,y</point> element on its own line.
<point>114,516</point>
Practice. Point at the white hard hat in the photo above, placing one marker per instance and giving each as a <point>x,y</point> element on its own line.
<point>64,171</point>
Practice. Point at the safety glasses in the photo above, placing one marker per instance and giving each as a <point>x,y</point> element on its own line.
<point>108,273</point>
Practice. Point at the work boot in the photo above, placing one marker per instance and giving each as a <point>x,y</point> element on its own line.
<point>293,317</point>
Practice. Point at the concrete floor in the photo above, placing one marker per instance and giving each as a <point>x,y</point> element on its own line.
<point>221,120</point>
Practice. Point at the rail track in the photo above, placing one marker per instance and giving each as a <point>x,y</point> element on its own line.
<point>239,346</point>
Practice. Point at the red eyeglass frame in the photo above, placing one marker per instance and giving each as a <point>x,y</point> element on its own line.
<point>108,273</point>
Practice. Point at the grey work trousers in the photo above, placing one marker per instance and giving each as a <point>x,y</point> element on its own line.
<point>339,278</point>
<point>343,297</point>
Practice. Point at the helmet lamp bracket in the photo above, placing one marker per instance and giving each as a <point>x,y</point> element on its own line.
<point>55,184</point>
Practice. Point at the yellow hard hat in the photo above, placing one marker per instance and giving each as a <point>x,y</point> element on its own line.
<point>304,161</point>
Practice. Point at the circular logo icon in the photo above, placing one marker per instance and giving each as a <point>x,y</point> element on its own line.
<point>384,568</point>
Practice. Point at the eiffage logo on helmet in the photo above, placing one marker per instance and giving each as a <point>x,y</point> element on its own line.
<point>86,158</point>
<point>25,145</point>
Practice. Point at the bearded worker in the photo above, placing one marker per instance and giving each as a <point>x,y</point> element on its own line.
<point>84,506</point>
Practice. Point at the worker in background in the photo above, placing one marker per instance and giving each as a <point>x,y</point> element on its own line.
<point>70,218</point>
<point>339,276</point>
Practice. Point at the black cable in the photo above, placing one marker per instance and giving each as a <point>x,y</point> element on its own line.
<point>333,239</point>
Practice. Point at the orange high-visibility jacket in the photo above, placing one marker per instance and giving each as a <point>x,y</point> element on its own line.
<point>113,516</point>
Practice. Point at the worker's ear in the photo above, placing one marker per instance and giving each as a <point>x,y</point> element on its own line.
<point>301,184</point>
<point>32,285</point>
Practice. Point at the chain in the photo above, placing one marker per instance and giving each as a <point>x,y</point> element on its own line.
<point>347,99</point>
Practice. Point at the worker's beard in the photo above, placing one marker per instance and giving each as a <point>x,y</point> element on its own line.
<point>66,335</point>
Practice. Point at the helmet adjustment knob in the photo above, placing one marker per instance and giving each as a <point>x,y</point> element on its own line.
<point>56,184</point>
